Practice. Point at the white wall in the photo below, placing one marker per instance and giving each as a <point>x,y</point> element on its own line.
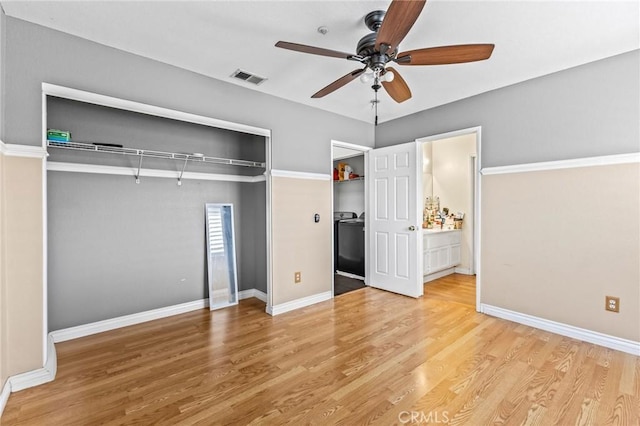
<point>452,182</point>
<point>427,171</point>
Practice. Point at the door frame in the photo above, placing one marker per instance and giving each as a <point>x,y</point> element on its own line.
<point>365,151</point>
<point>477,217</point>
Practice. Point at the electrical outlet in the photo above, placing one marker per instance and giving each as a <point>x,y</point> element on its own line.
<point>612,303</point>
<point>297,277</point>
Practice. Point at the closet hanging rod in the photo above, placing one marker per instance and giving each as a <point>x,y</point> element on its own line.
<point>84,146</point>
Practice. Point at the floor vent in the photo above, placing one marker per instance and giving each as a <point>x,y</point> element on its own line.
<point>248,77</point>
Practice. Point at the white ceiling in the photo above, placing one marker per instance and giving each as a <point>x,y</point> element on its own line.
<point>214,38</point>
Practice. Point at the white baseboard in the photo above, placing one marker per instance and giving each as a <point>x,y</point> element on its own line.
<point>126,320</point>
<point>4,396</point>
<point>463,271</point>
<point>349,275</point>
<point>299,303</point>
<point>32,378</point>
<point>41,375</point>
<point>608,341</point>
<point>252,292</point>
<point>434,276</point>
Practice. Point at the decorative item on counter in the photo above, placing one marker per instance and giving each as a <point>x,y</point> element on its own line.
<point>336,175</point>
<point>58,135</point>
<point>449,223</point>
<point>431,212</point>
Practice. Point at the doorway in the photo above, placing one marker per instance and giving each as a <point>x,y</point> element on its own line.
<point>451,180</point>
<point>348,201</point>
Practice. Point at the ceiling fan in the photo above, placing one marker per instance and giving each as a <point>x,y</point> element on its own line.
<point>377,49</point>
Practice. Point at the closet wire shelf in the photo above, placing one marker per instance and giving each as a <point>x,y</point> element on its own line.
<point>85,146</point>
<point>141,153</point>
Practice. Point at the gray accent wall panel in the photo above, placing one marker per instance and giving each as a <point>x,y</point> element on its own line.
<point>587,111</point>
<point>116,248</point>
<point>253,220</point>
<point>93,123</point>
<point>3,24</point>
<point>35,54</point>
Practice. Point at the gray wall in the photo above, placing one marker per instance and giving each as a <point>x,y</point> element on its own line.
<point>2,71</point>
<point>590,110</point>
<point>253,219</point>
<point>84,286</point>
<point>117,248</point>
<point>301,135</point>
<point>93,123</point>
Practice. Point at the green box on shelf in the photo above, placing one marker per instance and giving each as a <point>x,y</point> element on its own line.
<point>58,135</point>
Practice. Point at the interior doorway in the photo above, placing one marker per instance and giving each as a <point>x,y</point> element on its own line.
<point>348,201</point>
<point>451,180</point>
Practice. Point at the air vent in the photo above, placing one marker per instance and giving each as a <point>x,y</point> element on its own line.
<point>248,77</point>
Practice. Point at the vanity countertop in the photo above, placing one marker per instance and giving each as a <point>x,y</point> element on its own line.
<point>439,231</point>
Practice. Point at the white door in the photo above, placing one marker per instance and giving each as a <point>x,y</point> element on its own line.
<point>394,219</point>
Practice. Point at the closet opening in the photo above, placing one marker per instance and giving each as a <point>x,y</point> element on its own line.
<point>126,226</point>
<point>349,205</point>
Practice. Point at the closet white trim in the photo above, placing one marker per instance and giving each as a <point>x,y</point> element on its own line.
<point>124,104</point>
<point>54,166</point>
<point>604,160</point>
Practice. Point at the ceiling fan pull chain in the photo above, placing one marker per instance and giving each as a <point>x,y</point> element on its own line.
<point>376,102</point>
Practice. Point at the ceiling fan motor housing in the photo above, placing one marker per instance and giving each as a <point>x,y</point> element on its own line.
<point>367,45</point>
<point>373,20</point>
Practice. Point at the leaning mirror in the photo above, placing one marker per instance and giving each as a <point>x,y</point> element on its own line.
<point>221,259</point>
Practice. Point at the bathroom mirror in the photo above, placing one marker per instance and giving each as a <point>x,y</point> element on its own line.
<point>221,256</point>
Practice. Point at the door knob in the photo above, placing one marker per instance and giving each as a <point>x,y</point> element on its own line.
<point>412,228</point>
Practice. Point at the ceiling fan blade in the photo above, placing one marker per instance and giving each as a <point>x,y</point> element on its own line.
<point>313,50</point>
<point>445,54</point>
<point>397,88</point>
<point>338,83</point>
<point>397,22</point>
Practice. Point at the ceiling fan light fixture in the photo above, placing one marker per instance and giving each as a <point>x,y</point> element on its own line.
<point>388,76</point>
<point>366,77</point>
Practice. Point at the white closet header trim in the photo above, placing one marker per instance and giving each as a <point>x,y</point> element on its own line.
<point>109,101</point>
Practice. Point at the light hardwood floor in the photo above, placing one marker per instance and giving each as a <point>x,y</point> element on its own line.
<point>365,357</point>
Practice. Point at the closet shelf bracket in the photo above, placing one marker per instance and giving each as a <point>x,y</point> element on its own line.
<point>139,167</point>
